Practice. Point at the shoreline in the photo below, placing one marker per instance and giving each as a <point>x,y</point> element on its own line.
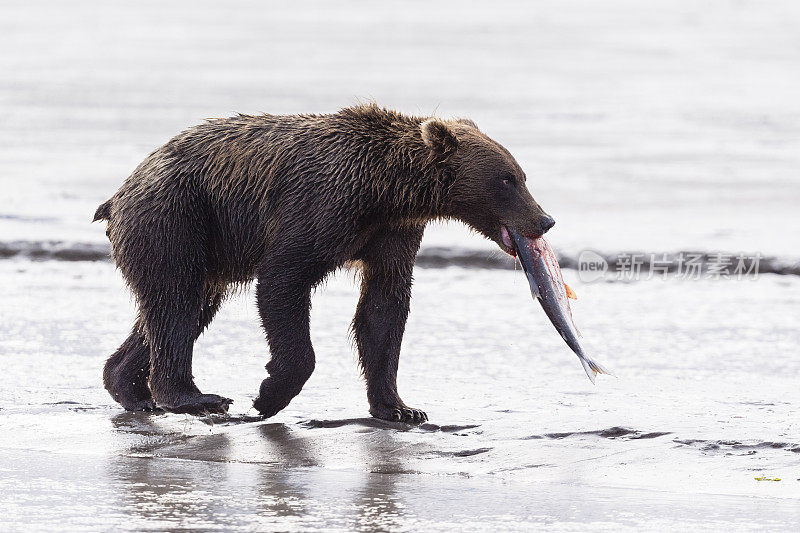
<point>441,257</point>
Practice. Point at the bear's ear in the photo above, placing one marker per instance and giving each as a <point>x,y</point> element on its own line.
<point>467,122</point>
<point>438,137</point>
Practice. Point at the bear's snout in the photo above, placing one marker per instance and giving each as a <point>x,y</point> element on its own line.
<point>546,222</point>
<point>535,227</point>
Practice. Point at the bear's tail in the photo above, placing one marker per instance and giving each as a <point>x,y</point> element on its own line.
<point>103,212</point>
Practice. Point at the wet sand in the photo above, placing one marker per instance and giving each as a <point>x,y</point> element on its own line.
<point>701,407</point>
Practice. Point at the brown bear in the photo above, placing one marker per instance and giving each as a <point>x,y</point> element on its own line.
<point>286,200</point>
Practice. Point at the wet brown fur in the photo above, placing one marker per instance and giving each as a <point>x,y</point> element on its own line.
<point>286,200</point>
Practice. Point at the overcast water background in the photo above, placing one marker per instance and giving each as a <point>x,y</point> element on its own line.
<point>658,127</point>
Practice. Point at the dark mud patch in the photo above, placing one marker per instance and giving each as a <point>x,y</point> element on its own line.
<point>459,453</point>
<point>734,447</point>
<point>133,418</point>
<point>522,467</point>
<point>56,250</point>
<point>364,422</point>
<point>608,433</point>
<point>228,420</point>
<point>448,428</point>
<point>79,407</point>
<point>393,470</point>
<point>375,423</point>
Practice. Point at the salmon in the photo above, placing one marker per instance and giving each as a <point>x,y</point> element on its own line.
<point>547,286</point>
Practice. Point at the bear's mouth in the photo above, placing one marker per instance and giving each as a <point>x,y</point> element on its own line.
<point>506,243</point>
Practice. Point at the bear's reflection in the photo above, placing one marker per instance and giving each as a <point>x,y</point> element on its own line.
<point>353,487</point>
<point>340,473</point>
<point>157,487</point>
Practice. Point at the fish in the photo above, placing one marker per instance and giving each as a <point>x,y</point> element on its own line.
<point>547,286</point>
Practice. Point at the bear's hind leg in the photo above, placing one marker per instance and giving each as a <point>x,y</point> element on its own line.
<point>126,372</point>
<point>173,321</point>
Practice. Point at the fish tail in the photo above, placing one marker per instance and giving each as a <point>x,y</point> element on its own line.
<point>593,368</point>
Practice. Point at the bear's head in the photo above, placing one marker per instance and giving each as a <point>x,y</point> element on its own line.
<point>488,190</point>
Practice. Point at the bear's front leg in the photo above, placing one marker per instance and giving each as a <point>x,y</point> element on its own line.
<point>380,320</point>
<point>284,301</point>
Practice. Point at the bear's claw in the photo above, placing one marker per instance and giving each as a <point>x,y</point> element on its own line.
<point>413,416</point>
<point>409,415</point>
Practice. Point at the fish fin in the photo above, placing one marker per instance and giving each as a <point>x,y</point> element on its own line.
<point>572,319</point>
<point>570,293</point>
<point>593,368</point>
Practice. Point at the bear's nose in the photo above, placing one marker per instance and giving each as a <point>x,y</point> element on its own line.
<point>547,222</point>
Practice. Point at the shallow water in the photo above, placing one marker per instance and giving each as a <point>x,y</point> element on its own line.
<point>657,127</point>
<point>704,403</point>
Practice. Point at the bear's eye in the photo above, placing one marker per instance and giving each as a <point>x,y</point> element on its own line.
<point>508,180</point>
